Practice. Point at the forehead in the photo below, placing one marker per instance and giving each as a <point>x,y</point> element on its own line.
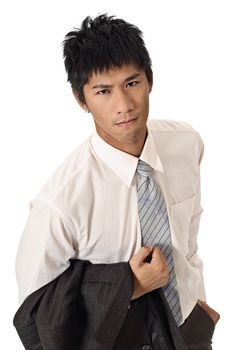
<point>114,75</point>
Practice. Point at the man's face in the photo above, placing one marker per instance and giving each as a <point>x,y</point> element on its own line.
<point>119,102</point>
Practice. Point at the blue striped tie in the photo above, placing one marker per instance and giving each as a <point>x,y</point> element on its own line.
<point>155,229</point>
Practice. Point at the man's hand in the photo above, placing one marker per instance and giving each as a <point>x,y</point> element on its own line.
<point>149,269</point>
<point>215,316</point>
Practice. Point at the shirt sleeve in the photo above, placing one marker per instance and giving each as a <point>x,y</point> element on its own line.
<point>193,256</point>
<point>45,248</point>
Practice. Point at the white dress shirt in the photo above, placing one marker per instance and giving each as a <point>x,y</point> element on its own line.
<point>88,209</point>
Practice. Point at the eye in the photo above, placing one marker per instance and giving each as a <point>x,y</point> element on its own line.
<point>132,83</point>
<point>103,92</point>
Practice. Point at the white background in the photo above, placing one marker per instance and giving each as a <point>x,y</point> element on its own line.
<point>191,45</point>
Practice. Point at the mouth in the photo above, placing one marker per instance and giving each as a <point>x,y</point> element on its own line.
<point>126,123</point>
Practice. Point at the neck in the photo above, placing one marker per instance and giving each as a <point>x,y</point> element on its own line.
<point>133,147</point>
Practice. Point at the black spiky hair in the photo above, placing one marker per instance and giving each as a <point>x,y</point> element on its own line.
<point>101,44</point>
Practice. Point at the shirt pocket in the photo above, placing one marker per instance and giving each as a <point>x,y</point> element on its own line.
<point>180,219</point>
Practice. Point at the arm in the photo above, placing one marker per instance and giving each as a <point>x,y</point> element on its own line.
<point>45,277</point>
<point>45,248</point>
<point>193,256</point>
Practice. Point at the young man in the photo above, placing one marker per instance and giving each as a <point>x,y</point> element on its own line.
<point>130,192</point>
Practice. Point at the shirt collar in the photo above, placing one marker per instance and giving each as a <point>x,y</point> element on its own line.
<point>123,164</point>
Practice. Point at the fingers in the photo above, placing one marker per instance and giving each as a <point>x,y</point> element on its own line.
<point>157,257</point>
<point>148,255</point>
<point>214,315</point>
<point>156,253</point>
<point>142,255</point>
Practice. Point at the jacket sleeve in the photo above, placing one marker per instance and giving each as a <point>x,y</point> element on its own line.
<point>76,308</point>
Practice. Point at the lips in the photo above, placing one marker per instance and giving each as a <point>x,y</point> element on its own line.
<point>126,121</point>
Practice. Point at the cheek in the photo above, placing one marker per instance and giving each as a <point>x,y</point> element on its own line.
<point>143,102</point>
<point>102,111</point>
<point>101,115</point>
<point>97,109</point>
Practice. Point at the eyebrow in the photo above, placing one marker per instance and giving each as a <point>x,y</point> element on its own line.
<point>106,86</point>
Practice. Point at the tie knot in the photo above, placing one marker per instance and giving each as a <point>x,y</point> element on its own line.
<point>143,168</point>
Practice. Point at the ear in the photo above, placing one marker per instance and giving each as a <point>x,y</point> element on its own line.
<point>81,103</point>
<point>150,87</point>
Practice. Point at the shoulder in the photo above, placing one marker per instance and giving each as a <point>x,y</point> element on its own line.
<point>173,128</point>
<point>176,137</point>
<point>167,125</point>
<point>65,173</point>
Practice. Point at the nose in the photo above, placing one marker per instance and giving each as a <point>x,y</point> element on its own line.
<point>123,103</point>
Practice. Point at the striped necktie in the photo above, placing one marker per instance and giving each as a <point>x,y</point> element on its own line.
<point>155,230</point>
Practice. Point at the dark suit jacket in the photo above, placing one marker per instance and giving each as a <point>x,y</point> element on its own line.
<point>87,308</point>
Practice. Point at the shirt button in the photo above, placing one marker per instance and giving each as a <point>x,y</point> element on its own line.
<point>146,347</point>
